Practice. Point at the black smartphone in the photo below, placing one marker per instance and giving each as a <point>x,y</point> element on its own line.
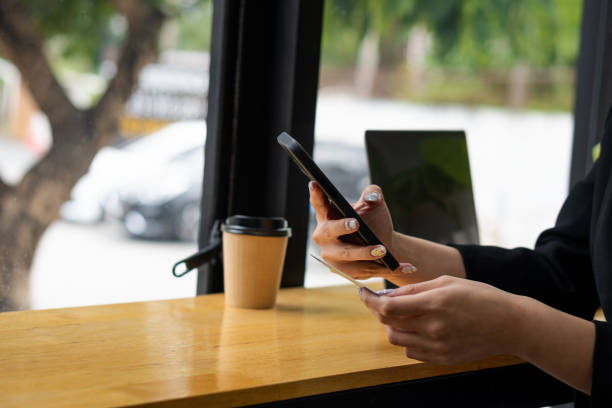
<point>364,235</point>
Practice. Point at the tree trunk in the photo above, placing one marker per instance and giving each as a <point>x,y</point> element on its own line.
<point>27,209</point>
<point>416,52</point>
<point>16,257</point>
<point>518,85</point>
<point>367,64</point>
<point>30,207</point>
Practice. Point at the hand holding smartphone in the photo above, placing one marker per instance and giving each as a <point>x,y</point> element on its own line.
<point>300,157</point>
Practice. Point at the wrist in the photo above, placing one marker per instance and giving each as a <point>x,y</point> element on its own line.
<point>401,247</point>
<point>521,326</point>
<point>554,341</point>
<point>393,242</point>
<point>531,320</point>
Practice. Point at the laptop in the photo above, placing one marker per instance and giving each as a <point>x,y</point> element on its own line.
<point>425,178</point>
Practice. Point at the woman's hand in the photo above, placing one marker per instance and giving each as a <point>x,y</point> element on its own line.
<point>356,260</point>
<point>449,320</point>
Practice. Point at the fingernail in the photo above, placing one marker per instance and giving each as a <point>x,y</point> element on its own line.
<point>361,293</point>
<point>383,292</point>
<point>408,269</point>
<point>373,196</point>
<point>378,251</point>
<point>350,224</point>
<point>310,185</point>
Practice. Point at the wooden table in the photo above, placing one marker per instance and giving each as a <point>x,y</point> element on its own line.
<point>197,352</point>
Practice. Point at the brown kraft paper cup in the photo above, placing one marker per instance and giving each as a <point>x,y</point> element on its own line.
<point>253,258</point>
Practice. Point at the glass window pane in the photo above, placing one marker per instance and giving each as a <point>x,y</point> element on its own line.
<point>501,71</point>
<point>135,210</point>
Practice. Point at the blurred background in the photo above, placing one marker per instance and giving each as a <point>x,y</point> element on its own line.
<point>502,70</point>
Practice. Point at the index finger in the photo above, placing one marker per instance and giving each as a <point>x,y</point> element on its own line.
<point>318,201</point>
<point>396,306</point>
<point>414,288</point>
<point>419,287</point>
<point>371,196</point>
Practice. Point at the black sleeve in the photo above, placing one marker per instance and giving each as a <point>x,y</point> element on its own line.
<point>601,386</point>
<point>558,271</point>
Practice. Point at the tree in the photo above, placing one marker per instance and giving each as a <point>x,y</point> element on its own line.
<point>519,35</point>
<point>27,209</point>
<point>373,22</point>
<point>469,34</point>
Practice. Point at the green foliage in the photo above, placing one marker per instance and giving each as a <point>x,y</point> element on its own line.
<point>596,151</point>
<point>466,33</point>
<point>194,26</point>
<point>501,33</point>
<point>474,46</point>
<point>346,22</point>
<point>78,28</point>
<point>77,32</point>
<point>568,17</point>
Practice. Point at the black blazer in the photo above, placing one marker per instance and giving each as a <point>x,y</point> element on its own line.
<point>570,267</point>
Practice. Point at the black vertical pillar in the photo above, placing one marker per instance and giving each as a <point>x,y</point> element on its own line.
<point>263,80</point>
<point>593,84</point>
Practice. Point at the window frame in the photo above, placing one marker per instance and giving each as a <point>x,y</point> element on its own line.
<point>264,75</point>
<point>283,37</point>
<point>593,96</point>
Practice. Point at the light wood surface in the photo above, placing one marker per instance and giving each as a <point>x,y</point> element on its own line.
<point>195,351</point>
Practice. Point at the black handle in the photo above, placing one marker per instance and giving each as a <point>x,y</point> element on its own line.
<point>211,252</point>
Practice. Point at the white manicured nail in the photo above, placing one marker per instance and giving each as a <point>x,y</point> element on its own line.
<point>350,225</point>
<point>408,269</point>
<point>373,196</point>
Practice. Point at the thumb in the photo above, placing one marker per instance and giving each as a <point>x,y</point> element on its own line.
<point>371,196</point>
<point>415,288</point>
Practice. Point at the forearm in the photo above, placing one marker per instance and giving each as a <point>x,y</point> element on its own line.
<point>556,342</point>
<point>431,259</point>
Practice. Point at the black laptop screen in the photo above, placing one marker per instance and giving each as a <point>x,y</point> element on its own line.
<point>425,177</point>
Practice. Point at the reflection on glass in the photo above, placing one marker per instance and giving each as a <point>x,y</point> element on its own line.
<point>425,177</point>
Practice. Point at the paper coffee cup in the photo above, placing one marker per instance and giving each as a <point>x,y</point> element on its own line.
<point>253,258</point>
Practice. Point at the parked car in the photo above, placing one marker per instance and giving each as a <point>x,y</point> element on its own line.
<point>122,169</point>
<point>165,204</point>
<point>161,199</point>
<point>171,210</point>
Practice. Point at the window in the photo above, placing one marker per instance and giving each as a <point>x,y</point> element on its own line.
<point>135,210</point>
<point>502,71</point>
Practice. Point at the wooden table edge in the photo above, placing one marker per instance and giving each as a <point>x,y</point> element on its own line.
<point>335,383</point>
